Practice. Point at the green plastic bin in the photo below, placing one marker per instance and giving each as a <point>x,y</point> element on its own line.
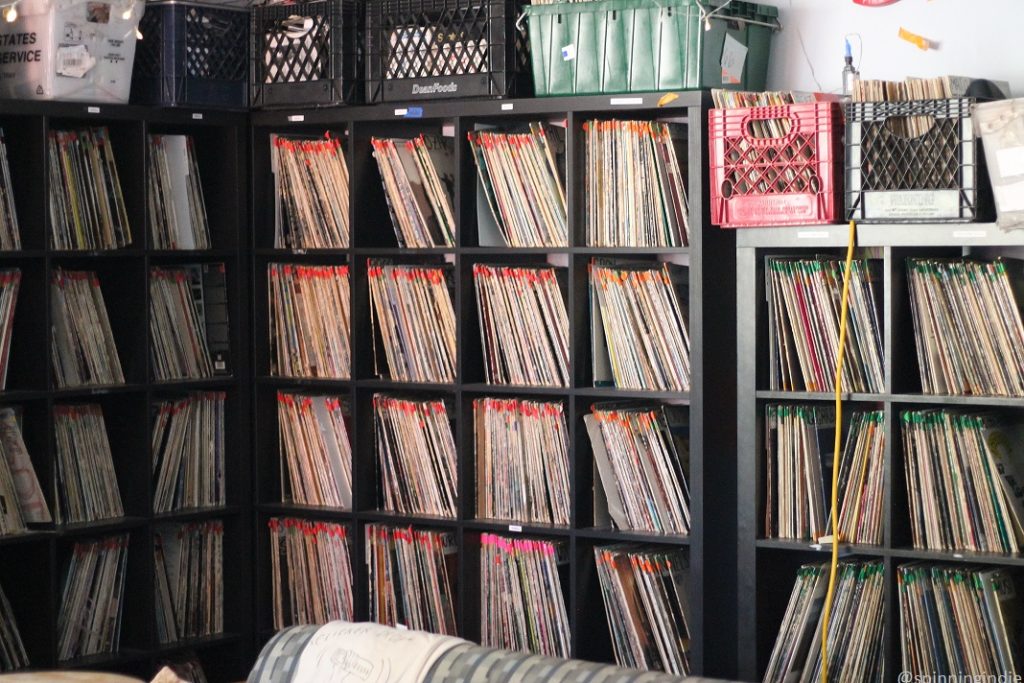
<point>619,46</point>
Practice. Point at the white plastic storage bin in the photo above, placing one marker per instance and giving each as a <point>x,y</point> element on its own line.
<point>1001,126</point>
<point>79,50</point>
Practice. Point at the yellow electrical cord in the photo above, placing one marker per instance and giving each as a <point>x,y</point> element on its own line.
<point>834,566</point>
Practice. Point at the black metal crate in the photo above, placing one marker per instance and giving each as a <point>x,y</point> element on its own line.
<point>192,54</point>
<point>307,53</point>
<point>934,174</point>
<point>431,49</point>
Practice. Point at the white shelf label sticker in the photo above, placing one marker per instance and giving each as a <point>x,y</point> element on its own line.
<point>625,101</point>
<point>507,106</point>
<point>297,118</point>
<point>92,110</point>
<point>812,235</point>
<point>401,112</point>
<point>515,528</point>
<point>196,116</point>
<point>961,234</point>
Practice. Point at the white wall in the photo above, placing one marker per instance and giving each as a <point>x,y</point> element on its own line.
<point>977,38</point>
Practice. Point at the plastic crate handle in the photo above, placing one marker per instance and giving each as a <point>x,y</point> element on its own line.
<point>768,114</point>
<point>296,26</point>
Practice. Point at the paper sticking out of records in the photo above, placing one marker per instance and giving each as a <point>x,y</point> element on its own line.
<point>635,188</point>
<point>87,209</point>
<point>638,325</point>
<point>311,183</point>
<point>83,350</point>
<point>986,606</point>
<point>803,324</point>
<point>21,497</point>
<point>644,590</point>
<point>641,459</point>
<point>12,649</point>
<point>309,321</point>
<point>188,322</point>
<point>311,572</point>
<point>798,441</point>
<point>967,325</point>
<point>189,564</point>
<point>412,575</point>
<point>10,286</point>
<point>524,326</point>
<point>419,178</point>
<point>10,235</point>
<point>189,470</point>
<point>963,474</point>
<point>413,320</point>
<point>175,202</point>
<point>87,489</point>
<point>522,606</point>
<point>522,456</point>
<point>520,182</point>
<point>416,455</point>
<point>316,456</point>
<point>855,634</point>
<point>91,606</point>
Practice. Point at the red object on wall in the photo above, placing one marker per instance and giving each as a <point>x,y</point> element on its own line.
<point>874,3</point>
<point>795,179</point>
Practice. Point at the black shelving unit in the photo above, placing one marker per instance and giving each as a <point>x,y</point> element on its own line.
<point>767,567</point>
<point>32,565</point>
<point>711,401</point>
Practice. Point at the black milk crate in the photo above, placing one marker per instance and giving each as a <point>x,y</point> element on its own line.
<point>431,49</point>
<point>307,53</point>
<point>934,174</point>
<point>192,54</point>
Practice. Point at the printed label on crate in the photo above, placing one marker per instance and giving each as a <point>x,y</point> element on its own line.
<point>435,88</point>
<point>734,54</point>
<point>921,204</point>
<point>73,61</point>
<point>775,210</point>
<point>1011,161</point>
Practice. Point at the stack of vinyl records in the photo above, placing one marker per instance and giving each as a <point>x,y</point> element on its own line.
<point>523,325</point>
<point>83,350</point>
<point>309,321</point>
<point>967,326</point>
<point>418,177</point>
<point>521,179</point>
<point>175,203</point>
<point>641,455</point>
<point>10,284</point>
<point>412,577</point>
<point>803,325</point>
<point>855,631</point>
<point>89,622</point>
<point>522,460</point>
<point>21,497</point>
<point>311,572</point>
<point>87,489</point>
<point>647,606</point>
<point>188,452</point>
<point>87,208</point>
<point>861,477</point>
<point>416,455</point>
<point>189,560</point>
<point>414,321</point>
<point>960,622</point>
<point>188,322</point>
<point>12,650</point>
<point>961,485</point>
<point>316,456</point>
<point>312,192</point>
<point>638,326</point>
<point>10,235</point>
<point>521,602</point>
<point>635,192</point>
<point>795,439</point>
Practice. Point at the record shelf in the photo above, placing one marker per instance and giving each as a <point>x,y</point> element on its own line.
<point>32,564</point>
<point>711,401</point>
<point>767,567</point>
